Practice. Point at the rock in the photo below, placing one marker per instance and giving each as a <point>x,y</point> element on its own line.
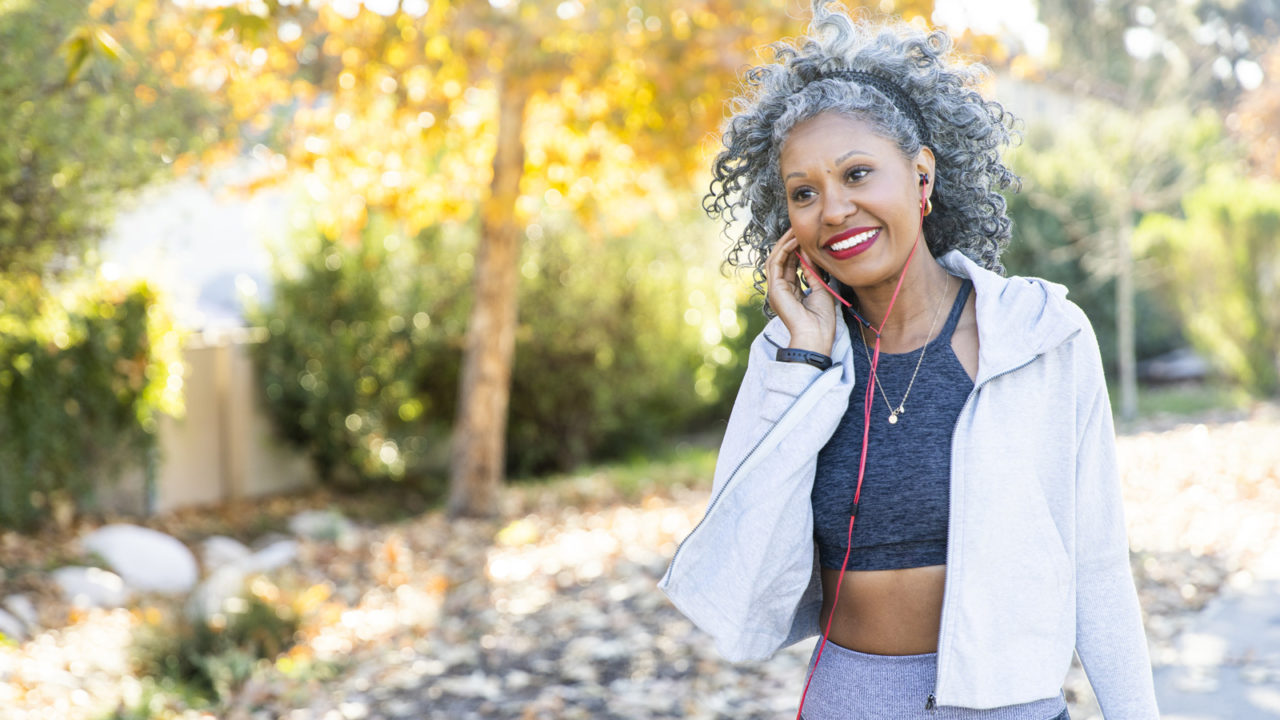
<point>213,592</point>
<point>91,587</point>
<point>147,560</point>
<point>11,627</point>
<point>227,581</point>
<point>23,609</point>
<point>328,525</point>
<point>273,556</point>
<point>220,550</point>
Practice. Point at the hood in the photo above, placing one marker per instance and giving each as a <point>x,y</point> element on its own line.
<point>1018,317</point>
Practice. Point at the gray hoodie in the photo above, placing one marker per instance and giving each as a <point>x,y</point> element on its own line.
<point>1037,557</point>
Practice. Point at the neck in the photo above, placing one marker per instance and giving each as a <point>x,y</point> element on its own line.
<point>924,284</point>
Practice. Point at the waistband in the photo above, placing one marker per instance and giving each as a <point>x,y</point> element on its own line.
<point>851,684</point>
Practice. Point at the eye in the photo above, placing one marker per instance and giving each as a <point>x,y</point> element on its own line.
<point>801,194</point>
<point>856,173</point>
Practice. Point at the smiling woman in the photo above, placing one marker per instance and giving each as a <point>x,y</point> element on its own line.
<point>989,542</point>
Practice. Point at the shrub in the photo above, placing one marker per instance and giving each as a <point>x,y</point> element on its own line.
<point>620,342</point>
<point>1223,259</point>
<point>358,366</point>
<point>210,660</point>
<point>82,378</point>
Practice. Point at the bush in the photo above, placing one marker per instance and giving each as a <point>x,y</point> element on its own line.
<point>1223,257</point>
<point>359,367</point>
<point>82,378</point>
<point>621,341</point>
<point>210,660</point>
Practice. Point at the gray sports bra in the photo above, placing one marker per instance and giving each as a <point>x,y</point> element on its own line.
<point>903,510</point>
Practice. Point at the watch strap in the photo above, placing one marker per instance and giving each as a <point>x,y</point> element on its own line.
<point>809,357</point>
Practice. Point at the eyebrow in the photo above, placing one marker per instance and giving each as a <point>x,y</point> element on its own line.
<point>839,160</point>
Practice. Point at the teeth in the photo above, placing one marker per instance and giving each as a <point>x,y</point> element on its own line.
<point>850,242</point>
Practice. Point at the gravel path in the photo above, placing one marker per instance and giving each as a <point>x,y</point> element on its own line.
<point>556,614</point>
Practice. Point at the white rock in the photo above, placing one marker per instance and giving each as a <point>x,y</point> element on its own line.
<point>211,595</point>
<point>91,586</point>
<point>23,609</point>
<point>221,550</point>
<point>147,560</point>
<point>11,627</point>
<point>321,525</point>
<point>227,581</point>
<point>273,556</point>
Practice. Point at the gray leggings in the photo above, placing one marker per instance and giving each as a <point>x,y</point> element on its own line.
<point>850,684</point>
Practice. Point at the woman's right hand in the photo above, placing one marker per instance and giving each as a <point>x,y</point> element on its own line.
<point>811,319</point>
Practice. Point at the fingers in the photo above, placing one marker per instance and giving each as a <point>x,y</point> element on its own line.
<point>780,271</point>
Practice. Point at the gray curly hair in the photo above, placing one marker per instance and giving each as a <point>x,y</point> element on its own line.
<point>965,132</point>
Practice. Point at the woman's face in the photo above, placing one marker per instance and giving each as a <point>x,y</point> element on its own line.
<point>852,197</point>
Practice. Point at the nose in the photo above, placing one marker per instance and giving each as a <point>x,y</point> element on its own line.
<point>837,207</point>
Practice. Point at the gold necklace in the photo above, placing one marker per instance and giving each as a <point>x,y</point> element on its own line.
<point>902,406</point>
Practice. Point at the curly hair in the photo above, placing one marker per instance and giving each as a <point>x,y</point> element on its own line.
<point>965,132</point>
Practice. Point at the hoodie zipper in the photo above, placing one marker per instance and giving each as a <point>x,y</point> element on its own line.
<point>931,702</point>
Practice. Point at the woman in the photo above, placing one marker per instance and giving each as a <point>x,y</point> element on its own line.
<point>977,459</point>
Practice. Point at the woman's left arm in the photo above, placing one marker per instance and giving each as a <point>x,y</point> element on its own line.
<point>1110,639</point>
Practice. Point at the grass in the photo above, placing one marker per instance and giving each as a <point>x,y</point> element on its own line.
<point>1188,400</point>
<point>683,464</point>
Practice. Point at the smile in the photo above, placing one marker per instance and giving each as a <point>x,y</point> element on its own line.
<point>851,242</point>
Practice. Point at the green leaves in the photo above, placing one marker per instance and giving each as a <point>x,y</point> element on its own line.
<point>1225,261</point>
<point>81,381</point>
<point>84,43</point>
<point>80,133</point>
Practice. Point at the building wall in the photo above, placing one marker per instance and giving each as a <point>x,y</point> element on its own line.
<point>224,448</point>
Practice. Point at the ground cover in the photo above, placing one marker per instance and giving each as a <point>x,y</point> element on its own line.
<point>552,612</point>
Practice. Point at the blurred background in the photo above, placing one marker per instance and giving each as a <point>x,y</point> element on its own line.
<point>425,289</point>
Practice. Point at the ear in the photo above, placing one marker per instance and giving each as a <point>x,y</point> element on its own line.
<point>924,165</point>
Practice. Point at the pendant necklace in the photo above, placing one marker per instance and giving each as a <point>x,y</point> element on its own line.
<point>894,413</point>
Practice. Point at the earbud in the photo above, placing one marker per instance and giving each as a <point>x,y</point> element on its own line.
<point>924,178</point>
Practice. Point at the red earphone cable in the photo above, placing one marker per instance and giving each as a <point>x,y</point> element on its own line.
<point>866,428</point>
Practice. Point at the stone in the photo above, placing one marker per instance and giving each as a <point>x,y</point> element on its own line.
<point>147,560</point>
<point>23,609</point>
<point>91,587</point>
<point>272,557</point>
<point>11,627</point>
<point>213,592</point>
<point>327,525</point>
<point>220,550</point>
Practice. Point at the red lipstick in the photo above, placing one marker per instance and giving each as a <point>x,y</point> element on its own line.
<point>861,247</point>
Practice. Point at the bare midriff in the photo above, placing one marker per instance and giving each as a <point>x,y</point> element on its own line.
<point>885,612</point>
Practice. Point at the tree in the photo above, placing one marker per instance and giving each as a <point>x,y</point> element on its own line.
<point>443,111</point>
<point>1147,64</point>
<point>80,135</point>
<point>1201,51</point>
<point>1258,116</point>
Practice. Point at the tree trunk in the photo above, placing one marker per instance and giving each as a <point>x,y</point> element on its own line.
<point>1126,345</point>
<point>479,432</point>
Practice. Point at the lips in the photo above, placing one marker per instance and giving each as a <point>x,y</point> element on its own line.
<point>851,242</point>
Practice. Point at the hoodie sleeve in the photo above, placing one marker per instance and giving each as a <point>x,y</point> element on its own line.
<point>1110,639</point>
<point>747,571</point>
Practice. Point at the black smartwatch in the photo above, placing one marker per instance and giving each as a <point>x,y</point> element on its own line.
<point>809,357</point>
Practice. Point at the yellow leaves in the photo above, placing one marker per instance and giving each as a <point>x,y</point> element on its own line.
<point>437,48</point>
<point>397,56</point>
<point>517,533</point>
<point>145,95</point>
